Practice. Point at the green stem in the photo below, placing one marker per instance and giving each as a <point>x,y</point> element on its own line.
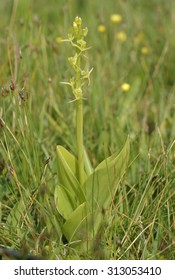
<point>79,126</point>
<point>80,139</point>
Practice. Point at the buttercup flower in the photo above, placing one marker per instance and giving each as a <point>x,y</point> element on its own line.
<point>121,36</point>
<point>116,18</point>
<point>125,87</point>
<point>144,50</point>
<point>101,28</point>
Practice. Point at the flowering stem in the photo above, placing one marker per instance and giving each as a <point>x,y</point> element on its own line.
<point>76,38</point>
<point>80,138</point>
<point>79,112</point>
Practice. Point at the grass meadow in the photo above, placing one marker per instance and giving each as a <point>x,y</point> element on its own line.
<point>131,92</point>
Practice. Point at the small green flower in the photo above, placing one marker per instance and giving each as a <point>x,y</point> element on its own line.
<point>86,75</point>
<point>85,32</point>
<point>73,62</point>
<point>58,40</point>
<point>78,93</point>
<point>81,43</point>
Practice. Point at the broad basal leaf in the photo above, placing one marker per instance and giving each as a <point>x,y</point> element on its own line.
<point>124,152</point>
<point>65,201</point>
<point>84,215</point>
<point>87,164</point>
<point>68,173</point>
<point>82,226</point>
<point>72,225</point>
<point>100,185</point>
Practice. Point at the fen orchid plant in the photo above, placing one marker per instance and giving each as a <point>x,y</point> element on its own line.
<point>83,193</point>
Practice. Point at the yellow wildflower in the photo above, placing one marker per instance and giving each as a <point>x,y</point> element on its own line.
<point>144,50</point>
<point>101,28</point>
<point>125,87</point>
<point>58,40</point>
<point>121,36</point>
<point>116,18</point>
<point>139,38</point>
